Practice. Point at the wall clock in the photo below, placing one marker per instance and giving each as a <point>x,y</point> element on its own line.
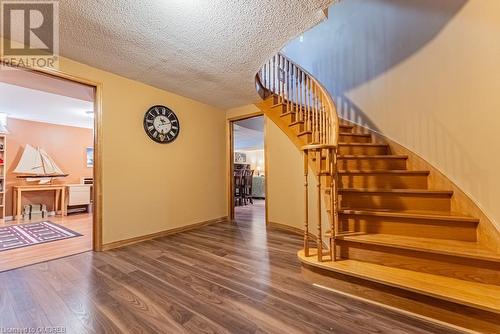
<point>161,124</point>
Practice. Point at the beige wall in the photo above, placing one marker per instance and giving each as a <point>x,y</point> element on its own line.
<point>284,179</point>
<point>149,187</point>
<point>245,110</point>
<point>426,74</point>
<point>65,144</point>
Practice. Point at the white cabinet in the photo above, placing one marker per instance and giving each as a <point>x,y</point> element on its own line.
<point>78,194</point>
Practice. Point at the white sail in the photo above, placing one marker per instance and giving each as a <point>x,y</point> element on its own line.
<point>30,163</point>
<point>37,162</point>
<point>49,165</point>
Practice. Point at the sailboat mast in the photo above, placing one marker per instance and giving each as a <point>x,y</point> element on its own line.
<point>43,162</point>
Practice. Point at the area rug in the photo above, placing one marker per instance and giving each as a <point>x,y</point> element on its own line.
<point>23,235</point>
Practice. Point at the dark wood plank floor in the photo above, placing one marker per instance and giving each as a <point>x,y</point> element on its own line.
<point>225,278</point>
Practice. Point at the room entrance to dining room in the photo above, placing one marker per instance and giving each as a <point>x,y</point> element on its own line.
<point>248,169</point>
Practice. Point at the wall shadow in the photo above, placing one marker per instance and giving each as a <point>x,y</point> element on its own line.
<point>390,31</point>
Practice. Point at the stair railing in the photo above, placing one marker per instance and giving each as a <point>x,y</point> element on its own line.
<point>310,104</point>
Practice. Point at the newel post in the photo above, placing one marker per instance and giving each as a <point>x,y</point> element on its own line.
<point>334,202</point>
<point>306,201</point>
<point>320,230</point>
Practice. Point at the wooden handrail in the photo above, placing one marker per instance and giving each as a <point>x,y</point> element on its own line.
<point>303,95</point>
<point>310,104</point>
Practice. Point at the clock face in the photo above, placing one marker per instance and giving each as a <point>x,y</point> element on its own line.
<point>161,124</point>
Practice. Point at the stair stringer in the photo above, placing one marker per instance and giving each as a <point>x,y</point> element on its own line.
<point>273,112</point>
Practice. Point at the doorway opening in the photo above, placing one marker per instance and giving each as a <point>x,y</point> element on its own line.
<point>248,170</point>
<point>47,144</point>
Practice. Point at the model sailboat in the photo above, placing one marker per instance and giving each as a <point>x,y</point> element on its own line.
<point>37,166</point>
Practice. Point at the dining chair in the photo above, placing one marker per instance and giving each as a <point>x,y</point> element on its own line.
<point>238,186</point>
<point>247,186</point>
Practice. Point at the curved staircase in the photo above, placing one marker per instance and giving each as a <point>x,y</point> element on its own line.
<point>389,237</point>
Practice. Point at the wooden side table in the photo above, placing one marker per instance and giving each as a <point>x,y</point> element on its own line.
<point>59,197</point>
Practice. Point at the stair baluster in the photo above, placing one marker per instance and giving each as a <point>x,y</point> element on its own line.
<point>306,202</point>
<point>334,231</point>
<point>320,227</point>
<point>311,109</point>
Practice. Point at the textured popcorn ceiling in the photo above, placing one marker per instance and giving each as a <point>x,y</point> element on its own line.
<point>208,50</point>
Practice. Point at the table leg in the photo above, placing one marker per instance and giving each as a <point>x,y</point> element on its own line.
<point>56,201</point>
<point>14,201</point>
<point>19,199</point>
<point>63,202</point>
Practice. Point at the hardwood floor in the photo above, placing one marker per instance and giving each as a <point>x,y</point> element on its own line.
<point>256,213</point>
<point>224,278</point>
<point>19,257</point>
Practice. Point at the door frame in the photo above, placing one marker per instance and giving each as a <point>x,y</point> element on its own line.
<point>230,174</point>
<point>97,169</point>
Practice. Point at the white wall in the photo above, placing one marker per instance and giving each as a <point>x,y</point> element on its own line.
<point>425,73</point>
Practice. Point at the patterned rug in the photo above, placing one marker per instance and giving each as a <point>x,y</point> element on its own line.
<point>23,235</point>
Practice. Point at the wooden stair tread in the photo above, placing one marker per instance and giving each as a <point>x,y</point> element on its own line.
<point>440,246</point>
<point>287,113</point>
<point>398,191</point>
<point>355,134</point>
<point>363,144</point>
<point>478,295</point>
<point>415,214</point>
<point>305,133</point>
<point>295,123</point>
<point>385,171</point>
<point>372,157</point>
